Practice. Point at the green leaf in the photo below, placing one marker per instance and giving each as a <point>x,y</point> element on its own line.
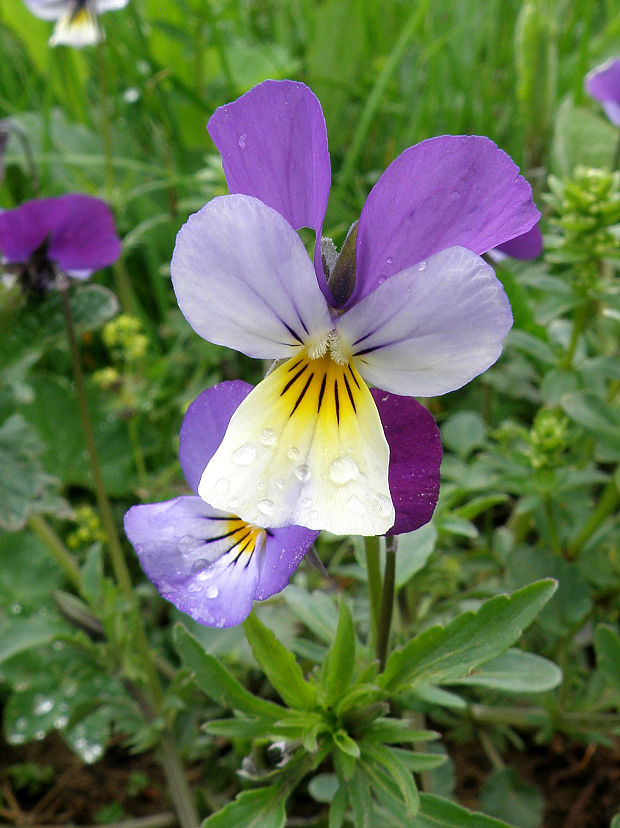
<point>279,665</point>
<point>595,415</point>
<point>338,808</point>
<point>263,808</point>
<point>437,812</point>
<point>390,760</point>
<point>441,654</point>
<point>464,432</point>
<point>360,800</point>
<point>26,588</point>
<point>314,609</point>
<point>390,731</point>
<point>414,550</point>
<point>22,479</point>
<point>515,672</point>
<point>346,744</point>
<point>340,659</point>
<point>504,793</point>
<point>216,682</point>
<point>581,138</point>
<point>237,728</point>
<point>323,787</point>
<point>607,646</point>
<point>19,634</point>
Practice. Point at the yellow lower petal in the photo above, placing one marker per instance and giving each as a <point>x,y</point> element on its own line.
<point>306,447</point>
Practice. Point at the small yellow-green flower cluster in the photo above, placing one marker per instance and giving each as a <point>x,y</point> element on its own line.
<point>587,215</point>
<point>88,528</point>
<point>125,338</point>
<point>547,438</point>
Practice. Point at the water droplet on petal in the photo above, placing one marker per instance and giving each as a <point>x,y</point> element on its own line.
<point>389,260</point>
<point>265,507</point>
<point>269,437</point>
<point>355,506</point>
<point>302,472</point>
<point>343,470</point>
<point>221,487</point>
<point>422,266</point>
<point>305,503</point>
<point>293,453</point>
<point>244,455</point>
<point>261,486</point>
<point>242,141</point>
<point>212,591</point>
<point>381,279</point>
<point>455,194</point>
<point>383,506</point>
<point>200,565</point>
<point>233,502</point>
<point>280,483</point>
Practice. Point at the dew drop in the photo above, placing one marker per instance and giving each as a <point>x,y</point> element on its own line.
<point>221,487</point>
<point>381,279</point>
<point>242,140</point>
<point>389,260</point>
<point>212,591</point>
<point>233,502</point>
<point>292,453</point>
<point>261,486</point>
<point>422,265</point>
<point>43,706</point>
<point>265,507</point>
<point>199,565</point>
<point>305,503</point>
<point>302,472</point>
<point>383,506</point>
<point>280,483</point>
<point>60,722</point>
<point>21,723</point>
<point>343,470</point>
<point>268,437</point>
<point>244,455</point>
<point>16,609</point>
<point>455,194</point>
<point>39,735</point>
<point>355,506</point>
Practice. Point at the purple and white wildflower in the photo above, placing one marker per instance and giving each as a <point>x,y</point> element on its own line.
<point>603,84</point>
<point>76,19</point>
<point>211,564</point>
<point>72,233</point>
<point>426,314</point>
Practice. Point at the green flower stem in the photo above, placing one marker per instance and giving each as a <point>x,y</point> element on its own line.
<point>608,503</point>
<point>218,43</point>
<point>579,322</point>
<point>64,558</point>
<point>374,583</point>
<point>177,782</point>
<point>616,162</point>
<point>387,600</point>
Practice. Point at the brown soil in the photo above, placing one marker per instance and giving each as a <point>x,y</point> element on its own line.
<point>581,784</point>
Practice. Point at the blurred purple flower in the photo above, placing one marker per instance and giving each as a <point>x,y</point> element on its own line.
<point>423,316</point>
<point>76,19</point>
<point>527,246</point>
<point>603,84</point>
<point>72,233</point>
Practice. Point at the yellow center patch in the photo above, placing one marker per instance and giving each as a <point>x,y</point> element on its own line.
<point>306,447</point>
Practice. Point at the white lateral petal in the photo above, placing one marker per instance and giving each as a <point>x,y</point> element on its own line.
<point>431,328</point>
<point>76,29</point>
<point>242,278</point>
<point>306,447</point>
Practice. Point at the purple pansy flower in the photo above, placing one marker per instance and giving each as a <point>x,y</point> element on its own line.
<point>213,565</point>
<point>603,84</point>
<point>209,563</point>
<point>73,233</point>
<point>426,313</point>
<point>76,19</point>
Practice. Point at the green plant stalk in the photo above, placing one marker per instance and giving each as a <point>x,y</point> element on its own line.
<point>387,600</point>
<point>374,99</point>
<point>552,525</point>
<point>171,763</point>
<point>220,48</point>
<point>534,718</point>
<point>579,323</point>
<point>608,503</point>
<point>63,557</point>
<point>373,569</point>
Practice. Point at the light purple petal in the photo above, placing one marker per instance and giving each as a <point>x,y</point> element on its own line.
<point>446,191</point>
<point>204,425</point>
<point>429,329</point>
<point>50,9</point>
<point>527,246</point>
<point>185,548</point>
<point>283,553</point>
<point>603,84</point>
<point>242,278</point>
<point>273,143</point>
<point>80,229</point>
<point>415,458</point>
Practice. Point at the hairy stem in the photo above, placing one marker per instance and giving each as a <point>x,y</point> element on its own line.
<point>63,557</point>
<point>374,584</point>
<point>387,600</point>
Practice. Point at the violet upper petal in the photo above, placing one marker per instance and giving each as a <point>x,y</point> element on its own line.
<point>526,246</point>
<point>283,552</point>
<point>273,143</point>
<point>204,425</point>
<point>603,84</point>
<point>415,458</point>
<point>80,230</point>
<point>446,191</point>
